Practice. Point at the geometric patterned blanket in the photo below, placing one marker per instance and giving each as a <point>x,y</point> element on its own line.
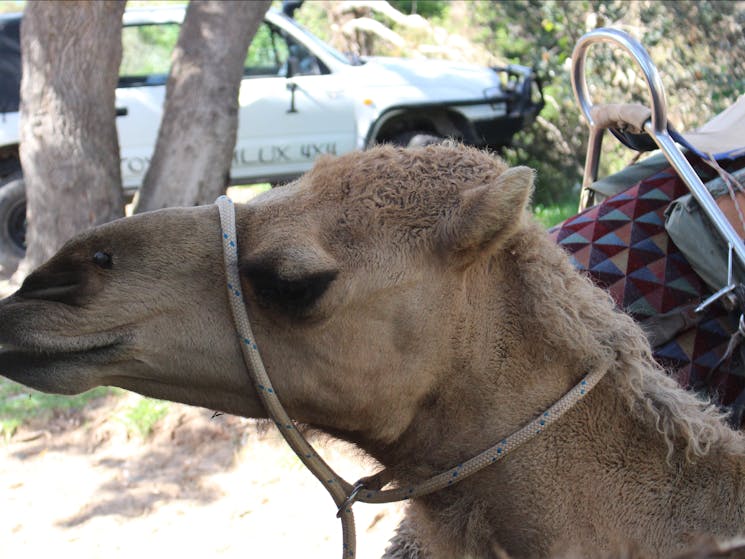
<point>623,246</point>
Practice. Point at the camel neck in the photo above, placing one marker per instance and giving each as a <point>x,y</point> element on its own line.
<point>483,398</point>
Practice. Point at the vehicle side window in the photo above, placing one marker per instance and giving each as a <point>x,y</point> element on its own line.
<point>146,53</point>
<point>271,52</point>
<point>267,54</point>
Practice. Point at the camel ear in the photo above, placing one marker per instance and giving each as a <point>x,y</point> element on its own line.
<point>489,214</point>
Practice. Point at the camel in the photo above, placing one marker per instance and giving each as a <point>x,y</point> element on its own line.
<point>406,301</point>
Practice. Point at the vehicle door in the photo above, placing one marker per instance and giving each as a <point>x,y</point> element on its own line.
<point>292,109</point>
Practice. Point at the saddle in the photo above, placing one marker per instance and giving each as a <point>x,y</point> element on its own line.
<point>659,257</point>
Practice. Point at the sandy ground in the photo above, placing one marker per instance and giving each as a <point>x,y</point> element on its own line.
<point>80,487</point>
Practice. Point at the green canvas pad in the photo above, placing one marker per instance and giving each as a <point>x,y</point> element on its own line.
<point>693,233</point>
<point>618,182</point>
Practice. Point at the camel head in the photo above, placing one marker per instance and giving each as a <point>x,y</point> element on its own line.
<point>353,277</point>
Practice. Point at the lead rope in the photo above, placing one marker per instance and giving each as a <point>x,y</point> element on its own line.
<point>367,490</point>
<point>336,486</point>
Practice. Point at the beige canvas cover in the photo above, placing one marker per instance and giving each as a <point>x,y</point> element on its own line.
<point>723,136</point>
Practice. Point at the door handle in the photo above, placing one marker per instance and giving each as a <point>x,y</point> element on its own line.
<point>292,87</point>
<point>122,111</point>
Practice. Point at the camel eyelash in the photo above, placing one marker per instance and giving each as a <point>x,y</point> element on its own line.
<point>294,296</point>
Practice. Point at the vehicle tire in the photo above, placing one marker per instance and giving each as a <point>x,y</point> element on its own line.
<point>416,139</point>
<point>12,222</point>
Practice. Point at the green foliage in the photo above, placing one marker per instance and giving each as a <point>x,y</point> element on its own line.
<point>425,8</point>
<point>699,48</point>
<point>147,49</point>
<point>19,404</point>
<point>266,51</point>
<point>554,214</point>
<point>141,417</point>
<point>315,18</point>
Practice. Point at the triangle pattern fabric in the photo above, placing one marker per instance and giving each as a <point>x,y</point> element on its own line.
<point>623,246</point>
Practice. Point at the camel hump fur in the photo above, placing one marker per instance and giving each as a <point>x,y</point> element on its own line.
<point>406,301</point>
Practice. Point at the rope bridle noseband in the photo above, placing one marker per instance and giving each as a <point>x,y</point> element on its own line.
<point>367,490</point>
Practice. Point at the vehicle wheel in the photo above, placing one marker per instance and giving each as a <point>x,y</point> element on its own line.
<point>12,222</point>
<point>416,139</point>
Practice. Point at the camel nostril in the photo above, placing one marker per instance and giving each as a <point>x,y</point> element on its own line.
<point>62,287</point>
<point>60,294</point>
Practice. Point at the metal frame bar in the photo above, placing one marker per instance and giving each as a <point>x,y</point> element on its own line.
<point>656,127</point>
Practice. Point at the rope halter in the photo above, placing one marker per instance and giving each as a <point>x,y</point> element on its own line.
<point>367,490</point>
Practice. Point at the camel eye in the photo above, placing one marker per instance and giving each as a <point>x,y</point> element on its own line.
<point>294,296</point>
<point>103,260</point>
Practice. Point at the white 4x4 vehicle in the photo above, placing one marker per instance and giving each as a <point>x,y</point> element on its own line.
<point>299,99</point>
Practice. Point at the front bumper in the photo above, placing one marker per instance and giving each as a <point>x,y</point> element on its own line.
<point>522,93</point>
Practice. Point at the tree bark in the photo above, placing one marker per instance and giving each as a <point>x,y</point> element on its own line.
<point>191,163</point>
<point>69,146</point>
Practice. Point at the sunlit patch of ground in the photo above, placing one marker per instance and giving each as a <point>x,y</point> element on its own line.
<point>83,486</point>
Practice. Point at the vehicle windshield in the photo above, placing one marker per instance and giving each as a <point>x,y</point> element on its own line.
<point>319,43</point>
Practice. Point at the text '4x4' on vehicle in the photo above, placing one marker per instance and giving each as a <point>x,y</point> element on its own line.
<point>299,99</point>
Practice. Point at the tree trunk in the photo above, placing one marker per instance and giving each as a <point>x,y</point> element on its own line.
<point>191,163</point>
<point>69,146</point>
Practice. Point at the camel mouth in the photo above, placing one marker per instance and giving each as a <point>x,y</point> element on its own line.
<point>52,353</point>
<point>58,371</point>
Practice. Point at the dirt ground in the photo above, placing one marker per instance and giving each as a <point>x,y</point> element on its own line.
<point>79,486</point>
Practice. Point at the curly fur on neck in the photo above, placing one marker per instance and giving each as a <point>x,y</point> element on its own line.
<point>579,319</point>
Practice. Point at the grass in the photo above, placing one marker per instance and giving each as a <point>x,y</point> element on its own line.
<point>19,404</point>
<point>142,416</point>
<point>552,215</point>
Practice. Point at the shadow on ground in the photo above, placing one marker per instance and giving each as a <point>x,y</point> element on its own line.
<point>173,464</point>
